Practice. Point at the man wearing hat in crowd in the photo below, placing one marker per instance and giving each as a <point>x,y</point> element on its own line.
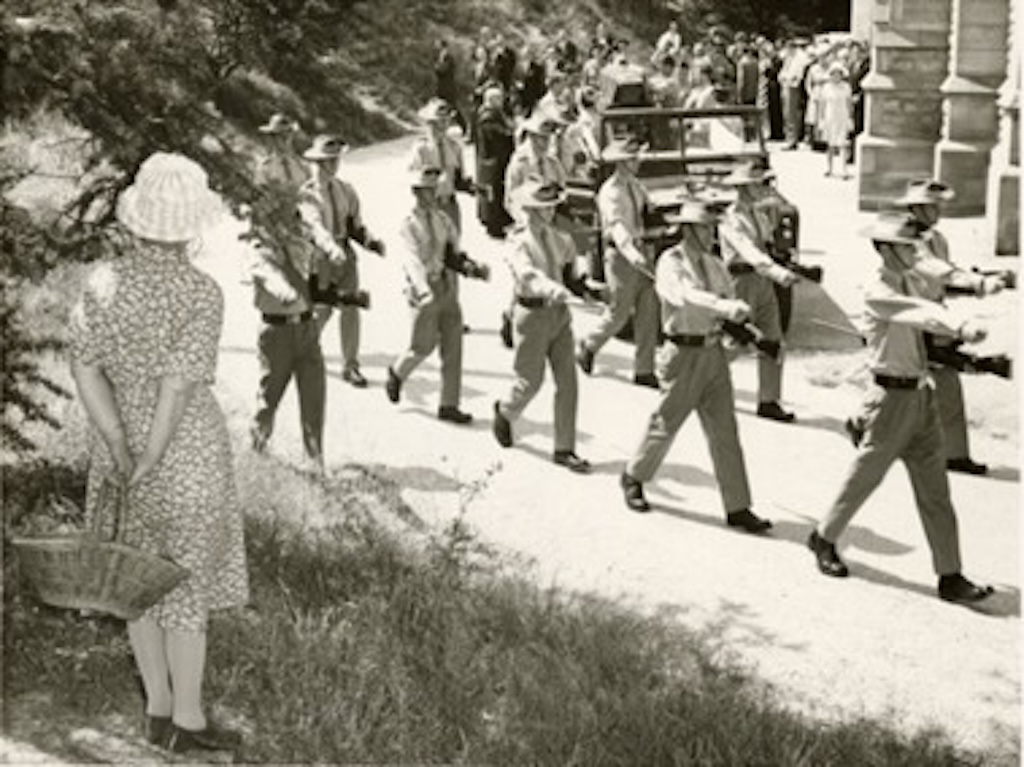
<point>795,61</point>
<point>281,164</point>
<point>436,148</point>
<point>923,199</point>
<point>745,233</point>
<point>429,238</point>
<point>531,160</point>
<point>903,420</point>
<point>542,264</point>
<point>697,296</point>
<point>330,208</point>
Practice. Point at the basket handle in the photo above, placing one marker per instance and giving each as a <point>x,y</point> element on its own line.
<point>113,498</point>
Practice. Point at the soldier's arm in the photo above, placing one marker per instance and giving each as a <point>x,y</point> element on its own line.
<point>531,281</point>
<point>266,274</point>
<point>412,263</point>
<point>919,313</point>
<point>309,212</point>
<point>747,251</point>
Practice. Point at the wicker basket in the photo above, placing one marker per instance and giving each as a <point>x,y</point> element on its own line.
<point>85,572</point>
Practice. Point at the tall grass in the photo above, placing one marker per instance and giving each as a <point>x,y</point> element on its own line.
<point>366,644</point>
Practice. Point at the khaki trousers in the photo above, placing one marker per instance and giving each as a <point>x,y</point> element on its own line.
<point>437,323</point>
<point>759,293</point>
<point>631,293</point>
<point>346,277</point>
<point>902,424</point>
<point>287,351</point>
<point>949,396</point>
<point>698,379</point>
<point>544,335</point>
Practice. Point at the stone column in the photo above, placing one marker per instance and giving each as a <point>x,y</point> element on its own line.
<point>909,55</point>
<point>1003,198</point>
<point>970,123</point>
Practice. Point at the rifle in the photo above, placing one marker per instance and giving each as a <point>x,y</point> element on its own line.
<point>951,356</point>
<point>812,273</point>
<point>583,287</point>
<point>748,333</point>
<point>360,235</point>
<point>459,262</point>
<point>332,295</point>
<point>1008,276</point>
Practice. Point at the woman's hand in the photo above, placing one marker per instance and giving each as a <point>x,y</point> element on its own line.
<point>143,467</point>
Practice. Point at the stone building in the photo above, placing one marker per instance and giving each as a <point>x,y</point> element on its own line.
<point>942,100</point>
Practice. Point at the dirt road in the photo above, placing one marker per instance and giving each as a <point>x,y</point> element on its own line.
<point>879,644</point>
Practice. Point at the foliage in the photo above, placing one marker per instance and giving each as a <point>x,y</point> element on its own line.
<point>380,651</point>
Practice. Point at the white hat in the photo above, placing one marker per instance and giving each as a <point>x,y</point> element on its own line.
<point>534,193</point>
<point>169,201</point>
<point>425,177</point>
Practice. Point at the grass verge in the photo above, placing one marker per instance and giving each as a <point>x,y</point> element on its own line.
<point>365,644</point>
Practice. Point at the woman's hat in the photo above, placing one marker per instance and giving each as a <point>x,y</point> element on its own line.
<point>279,123</point>
<point>425,177</point>
<point>324,147</point>
<point>746,175</point>
<point>900,229</point>
<point>623,149</point>
<point>169,201</point>
<point>537,194</point>
<point>925,192</point>
<point>434,110</point>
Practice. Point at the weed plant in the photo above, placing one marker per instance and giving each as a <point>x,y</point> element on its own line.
<point>367,644</point>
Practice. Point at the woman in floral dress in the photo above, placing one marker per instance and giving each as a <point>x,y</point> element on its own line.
<point>144,342</point>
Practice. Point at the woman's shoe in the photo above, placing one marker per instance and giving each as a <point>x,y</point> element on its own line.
<point>210,738</point>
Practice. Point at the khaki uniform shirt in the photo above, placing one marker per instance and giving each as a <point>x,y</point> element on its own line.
<point>538,257</point>
<point>620,205</point>
<point>282,168</point>
<point>327,209</point>
<point>425,234</point>
<point>693,287</point>
<point>743,234</point>
<point>444,154</point>
<point>526,164</point>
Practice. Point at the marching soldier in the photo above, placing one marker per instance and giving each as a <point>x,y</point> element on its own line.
<point>621,204</point>
<point>436,148</point>
<point>543,267</point>
<point>697,302</point>
<point>923,199</point>
<point>330,209</point>
<point>903,420</point>
<point>745,234</point>
<point>532,159</point>
<point>281,164</point>
<point>288,344</point>
<point>430,260</point>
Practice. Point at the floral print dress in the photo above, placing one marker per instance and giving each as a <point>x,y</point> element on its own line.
<point>145,316</point>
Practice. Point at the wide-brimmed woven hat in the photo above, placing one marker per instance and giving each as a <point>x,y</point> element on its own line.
<point>425,177</point>
<point>279,123</point>
<point>926,191</point>
<point>698,212</point>
<point>169,201</point>
<point>895,229</point>
<point>622,149</point>
<point>434,110</point>
<point>324,147</point>
<point>746,175</point>
<point>534,193</point>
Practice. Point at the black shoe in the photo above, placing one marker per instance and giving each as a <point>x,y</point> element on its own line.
<point>258,440</point>
<point>506,330</point>
<point>585,358</point>
<point>211,738</point>
<point>571,461</point>
<point>855,431</point>
<point>354,377</point>
<point>394,386</point>
<point>828,560</point>
<point>966,466</point>
<point>646,379</point>
<point>747,521</point>
<point>774,411</point>
<point>956,588</point>
<point>502,427</point>
<point>633,492</point>
<point>158,729</point>
<point>453,415</point>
